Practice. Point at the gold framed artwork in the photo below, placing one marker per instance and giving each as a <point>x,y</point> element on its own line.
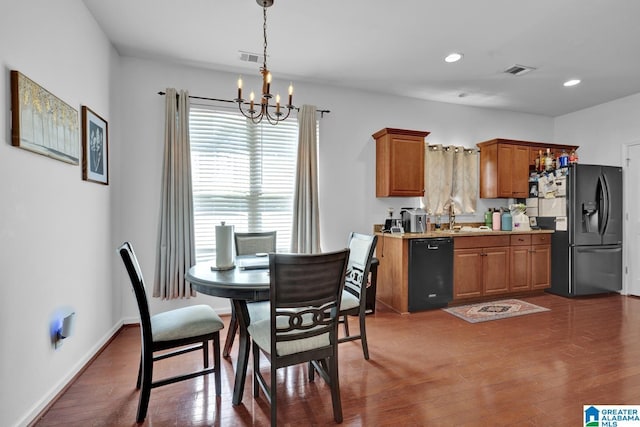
<point>41,122</point>
<point>95,147</point>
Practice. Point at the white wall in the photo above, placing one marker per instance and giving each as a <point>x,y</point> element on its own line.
<point>55,229</point>
<point>59,233</point>
<point>347,151</point>
<point>601,131</point>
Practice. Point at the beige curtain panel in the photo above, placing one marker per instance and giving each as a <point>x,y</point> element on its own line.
<point>305,233</point>
<point>451,176</point>
<point>175,252</point>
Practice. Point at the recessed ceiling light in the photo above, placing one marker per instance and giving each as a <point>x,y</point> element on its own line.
<point>453,57</point>
<point>571,82</point>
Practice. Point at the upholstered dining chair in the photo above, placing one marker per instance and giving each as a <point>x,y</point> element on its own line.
<point>181,330</point>
<point>302,325</point>
<point>354,296</point>
<point>248,244</point>
<point>255,243</point>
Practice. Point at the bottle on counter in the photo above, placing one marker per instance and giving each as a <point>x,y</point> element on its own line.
<point>496,220</point>
<point>506,221</point>
<point>488,218</point>
<point>438,223</point>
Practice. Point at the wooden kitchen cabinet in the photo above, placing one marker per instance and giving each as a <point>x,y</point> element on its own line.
<point>467,273</point>
<point>504,169</point>
<point>505,165</point>
<point>480,266</point>
<point>540,262</point>
<point>487,266</point>
<point>530,262</point>
<point>399,162</point>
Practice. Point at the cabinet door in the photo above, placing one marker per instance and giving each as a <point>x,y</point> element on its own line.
<point>540,266</point>
<point>521,172</point>
<point>495,270</point>
<point>467,273</point>
<point>513,170</point>
<point>505,170</point>
<point>520,268</point>
<point>407,166</point>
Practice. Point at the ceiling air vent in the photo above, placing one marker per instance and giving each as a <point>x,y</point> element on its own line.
<point>250,57</point>
<point>518,70</point>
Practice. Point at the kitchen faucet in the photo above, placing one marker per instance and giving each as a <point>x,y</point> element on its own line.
<point>452,215</point>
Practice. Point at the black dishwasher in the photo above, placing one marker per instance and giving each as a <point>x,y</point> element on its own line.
<point>430,273</point>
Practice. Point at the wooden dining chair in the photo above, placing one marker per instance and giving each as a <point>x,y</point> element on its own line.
<point>354,296</point>
<point>302,326</point>
<point>248,244</point>
<point>182,330</point>
<point>254,243</point>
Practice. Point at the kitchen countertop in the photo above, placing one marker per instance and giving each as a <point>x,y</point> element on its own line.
<point>456,233</point>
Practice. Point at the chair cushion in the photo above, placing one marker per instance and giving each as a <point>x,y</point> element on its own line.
<point>185,322</point>
<point>260,332</point>
<point>259,310</point>
<point>348,301</point>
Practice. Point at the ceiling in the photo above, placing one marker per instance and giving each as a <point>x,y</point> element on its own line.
<point>398,47</point>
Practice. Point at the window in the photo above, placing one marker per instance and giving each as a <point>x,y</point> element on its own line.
<point>242,174</point>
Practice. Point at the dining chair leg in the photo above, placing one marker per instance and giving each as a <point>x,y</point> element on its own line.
<point>311,372</point>
<point>205,354</point>
<point>335,389</point>
<point>231,333</point>
<point>255,352</point>
<point>272,398</point>
<point>346,325</point>
<point>216,361</point>
<point>139,380</point>
<point>363,336</point>
<point>145,392</point>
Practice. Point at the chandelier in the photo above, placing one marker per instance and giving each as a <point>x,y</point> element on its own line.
<point>263,109</point>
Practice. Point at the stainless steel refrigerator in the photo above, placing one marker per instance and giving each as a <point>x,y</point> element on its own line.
<point>586,259</point>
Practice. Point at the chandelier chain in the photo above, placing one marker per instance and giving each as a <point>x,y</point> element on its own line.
<point>264,31</point>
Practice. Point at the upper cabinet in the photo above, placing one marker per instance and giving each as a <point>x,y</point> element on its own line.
<point>505,165</point>
<point>399,162</point>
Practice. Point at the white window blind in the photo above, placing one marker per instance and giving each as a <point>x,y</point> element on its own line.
<point>242,174</point>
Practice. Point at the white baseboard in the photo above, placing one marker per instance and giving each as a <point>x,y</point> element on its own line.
<point>40,405</point>
<point>64,381</point>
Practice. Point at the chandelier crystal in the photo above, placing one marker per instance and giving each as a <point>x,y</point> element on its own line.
<point>263,109</point>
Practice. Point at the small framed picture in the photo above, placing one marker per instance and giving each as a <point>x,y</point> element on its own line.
<point>533,221</point>
<point>95,147</point>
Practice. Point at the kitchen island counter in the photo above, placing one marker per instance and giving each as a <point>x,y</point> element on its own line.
<point>487,264</point>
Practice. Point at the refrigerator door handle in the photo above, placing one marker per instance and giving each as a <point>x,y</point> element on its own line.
<point>604,193</point>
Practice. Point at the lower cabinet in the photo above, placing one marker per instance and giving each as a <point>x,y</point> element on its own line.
<point>483,266</point>
<point>499,265</point>
<point>480,266</point>
<point>530,262</point>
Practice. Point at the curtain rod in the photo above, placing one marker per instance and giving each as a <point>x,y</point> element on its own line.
<point>322,112</point>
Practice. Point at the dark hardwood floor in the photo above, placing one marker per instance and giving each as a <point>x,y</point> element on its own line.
<point>426,369</point>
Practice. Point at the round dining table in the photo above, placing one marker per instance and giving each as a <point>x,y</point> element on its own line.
<point>240,286</point>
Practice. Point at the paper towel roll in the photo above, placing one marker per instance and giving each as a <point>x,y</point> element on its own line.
<point>224,246</point>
